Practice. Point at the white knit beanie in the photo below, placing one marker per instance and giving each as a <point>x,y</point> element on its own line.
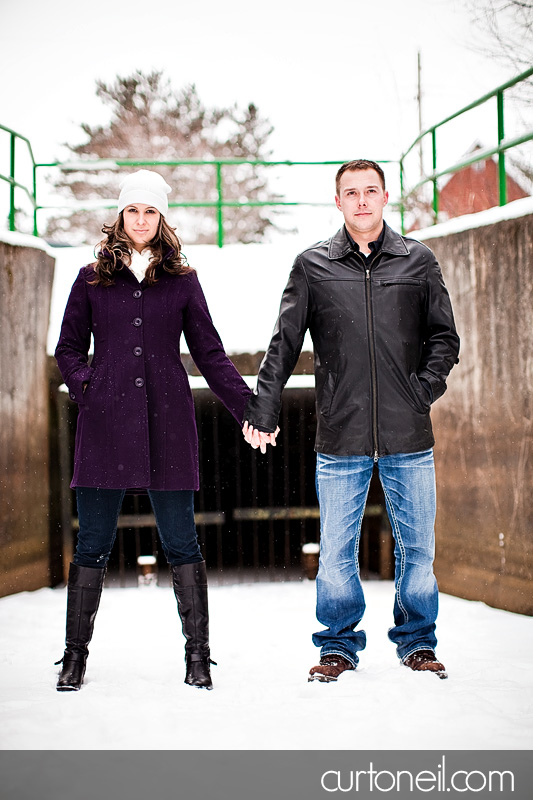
<point>144,186</point>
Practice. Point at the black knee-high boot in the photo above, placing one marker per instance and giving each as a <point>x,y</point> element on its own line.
<point>84,591</point>
<point>190,588</point>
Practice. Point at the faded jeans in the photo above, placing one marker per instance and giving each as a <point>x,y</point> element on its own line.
<point>98,511</point>
<point>342,484</point>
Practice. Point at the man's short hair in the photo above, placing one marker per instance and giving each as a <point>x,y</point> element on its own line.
<point>358,164</point>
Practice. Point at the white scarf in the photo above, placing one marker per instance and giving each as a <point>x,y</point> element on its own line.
<point>140,262</point>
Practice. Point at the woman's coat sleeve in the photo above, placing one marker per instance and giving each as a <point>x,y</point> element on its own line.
<point>209,355</point>
<point>73,347</point>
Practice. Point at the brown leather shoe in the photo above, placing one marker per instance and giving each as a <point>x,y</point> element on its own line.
<point>329,669</point>
<point>425,660</point>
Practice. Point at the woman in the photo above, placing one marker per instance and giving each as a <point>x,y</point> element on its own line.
<point>136,427</point>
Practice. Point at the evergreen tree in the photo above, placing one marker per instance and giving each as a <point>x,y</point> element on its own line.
<point>150,120</point>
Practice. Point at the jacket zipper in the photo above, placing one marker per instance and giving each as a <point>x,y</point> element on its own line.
<point>373,367</point>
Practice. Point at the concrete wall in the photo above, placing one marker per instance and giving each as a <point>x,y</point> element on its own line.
<point>483,423</point>
<point>26,275</point>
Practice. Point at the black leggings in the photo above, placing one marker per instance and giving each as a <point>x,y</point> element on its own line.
<point>98,511</point>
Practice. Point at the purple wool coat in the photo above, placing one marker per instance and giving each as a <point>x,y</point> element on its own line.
<point>136,425</point>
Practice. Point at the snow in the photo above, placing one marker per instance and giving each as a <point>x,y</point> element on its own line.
<point>243,285</point>
<point>134,697</point>
<point>294,382</point>
<point>518,208</point>
<point>25,240</point>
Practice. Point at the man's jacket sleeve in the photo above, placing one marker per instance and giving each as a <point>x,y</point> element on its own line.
<point>441,342</point>
<point>263,407</point>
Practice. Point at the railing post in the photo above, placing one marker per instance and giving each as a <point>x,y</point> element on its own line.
<point>35,229</point>
<point>402,206</point>
<point>12,184</point>
<point>501,155</point>
<point>434,161</point>
<point>220,218</point>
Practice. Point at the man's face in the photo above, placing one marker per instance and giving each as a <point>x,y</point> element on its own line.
<point>362,199</point>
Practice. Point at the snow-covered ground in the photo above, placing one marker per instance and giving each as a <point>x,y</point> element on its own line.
<point>134,697</point>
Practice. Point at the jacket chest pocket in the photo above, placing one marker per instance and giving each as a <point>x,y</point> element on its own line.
<point>414,282</point>
<point>401,295</point>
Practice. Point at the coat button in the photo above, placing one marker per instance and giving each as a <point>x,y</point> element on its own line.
<point>137,322</point>
<point>139,382</point>
<point>137,351</point>
<point>137,293</point>
<point>72,396</point>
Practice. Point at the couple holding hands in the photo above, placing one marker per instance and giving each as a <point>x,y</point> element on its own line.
<point>384,342</point>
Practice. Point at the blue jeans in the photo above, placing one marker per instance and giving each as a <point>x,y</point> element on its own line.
<point>342,484</point>
<point>98,511</point>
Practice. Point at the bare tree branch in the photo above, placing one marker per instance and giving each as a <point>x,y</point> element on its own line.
<point>507,27</point>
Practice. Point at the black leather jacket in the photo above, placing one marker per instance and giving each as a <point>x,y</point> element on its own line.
<point>378,329</point>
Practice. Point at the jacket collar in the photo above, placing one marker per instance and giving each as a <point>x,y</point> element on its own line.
<point>393,243</point>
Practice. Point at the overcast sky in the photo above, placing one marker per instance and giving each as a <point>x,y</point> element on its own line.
<point>336,78</point>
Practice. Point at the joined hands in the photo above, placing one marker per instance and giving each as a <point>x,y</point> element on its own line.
<point>259,439</point>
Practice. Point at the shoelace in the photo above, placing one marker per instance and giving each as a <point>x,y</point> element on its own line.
<point>332,661</point>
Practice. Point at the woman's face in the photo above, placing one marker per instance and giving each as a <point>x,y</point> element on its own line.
<point>140,224</point>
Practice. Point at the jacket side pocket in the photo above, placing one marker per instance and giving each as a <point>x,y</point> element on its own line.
<point>422,399</point>
<point>328,394</point>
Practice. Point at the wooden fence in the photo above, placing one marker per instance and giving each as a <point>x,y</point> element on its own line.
<point>26,275</point>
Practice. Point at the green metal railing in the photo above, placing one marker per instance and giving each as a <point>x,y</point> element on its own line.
<point>220,203</point>
<point>480,155</point>
<point>218,164</point>
<point>14,184</point>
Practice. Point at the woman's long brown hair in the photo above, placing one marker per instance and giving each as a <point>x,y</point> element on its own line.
<point>114,253</point>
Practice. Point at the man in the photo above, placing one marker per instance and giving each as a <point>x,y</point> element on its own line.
<point>384,342</point>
